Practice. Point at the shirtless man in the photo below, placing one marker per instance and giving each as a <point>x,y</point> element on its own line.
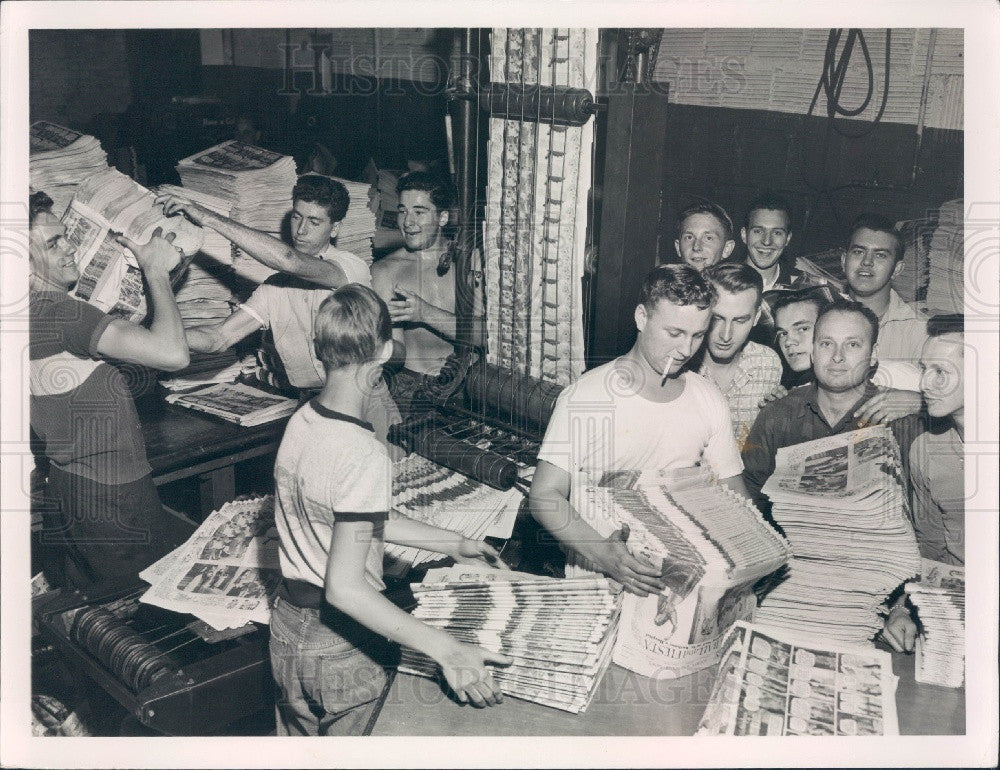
<point>416,281</point>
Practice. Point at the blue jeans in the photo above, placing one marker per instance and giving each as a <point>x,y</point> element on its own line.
<point>328,682</point>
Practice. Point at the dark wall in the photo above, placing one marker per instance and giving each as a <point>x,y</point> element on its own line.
<point>731,155</point>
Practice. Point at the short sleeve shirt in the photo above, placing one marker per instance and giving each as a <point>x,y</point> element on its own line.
<point>599,426</point>
<point>287,306</point>
<point>937,472</point>
<point>81,407</point>
<point>329,466</point>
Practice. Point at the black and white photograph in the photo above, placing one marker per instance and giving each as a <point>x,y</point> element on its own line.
<point>326,345</point>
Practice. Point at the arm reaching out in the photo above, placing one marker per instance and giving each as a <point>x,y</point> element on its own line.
<point>163,344</point>
<point>549,500</point>
<point>265,248</point>
<point>464,665</point>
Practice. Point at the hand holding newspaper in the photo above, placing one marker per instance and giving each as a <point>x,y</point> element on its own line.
<point>105,206</point>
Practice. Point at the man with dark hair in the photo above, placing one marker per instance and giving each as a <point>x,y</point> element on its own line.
<point>416,282</point>
<point>641,413</point>
<point>745,371</point>
<point>937,467</point>
<point>767,231</point>
<point>795,315</point>
<point>704,235</point>
<point>102,508</point>
<point>286,304</point>
<point>874,256</point>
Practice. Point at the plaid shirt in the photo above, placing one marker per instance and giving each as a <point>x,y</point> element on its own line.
<point>758,372</point>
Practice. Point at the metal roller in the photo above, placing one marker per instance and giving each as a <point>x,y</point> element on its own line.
<point>554,105</point>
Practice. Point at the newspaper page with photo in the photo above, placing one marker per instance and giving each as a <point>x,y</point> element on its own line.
<point>713,546</point>
<point>227,571</point>
<point>104,205</point>
<point>773,682</point>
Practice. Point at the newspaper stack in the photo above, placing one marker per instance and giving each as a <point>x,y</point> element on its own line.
<point>713,545</point>
<point>227,572</point>
<point>428,492</point>
<point>257,182</point>
<point>560,633</point>
<point>772,682</point>
<point>110,277</point>
<point>60,159</point>
<point>946,282</point>
<point>841,504</point>
<point>204,295</point>
<point>358,226</point>
<point>940,601</point>
<point>236,402</point>
<point>207,369</point>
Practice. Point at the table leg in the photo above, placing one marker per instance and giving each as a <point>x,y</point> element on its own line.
<point>216,488</point>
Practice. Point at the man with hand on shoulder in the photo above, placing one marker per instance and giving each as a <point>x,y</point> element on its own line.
<point>106,515</point>
<point>639,413</point>
<point>874,256</point>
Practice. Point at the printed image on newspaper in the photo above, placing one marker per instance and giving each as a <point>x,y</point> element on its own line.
<point>847,467</point>
<point>772,682</point>
<point>713,546</point>
<point>227,571</point>
<point>110,278</point>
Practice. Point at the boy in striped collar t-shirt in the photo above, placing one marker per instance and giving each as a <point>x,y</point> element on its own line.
<point>333,483</point>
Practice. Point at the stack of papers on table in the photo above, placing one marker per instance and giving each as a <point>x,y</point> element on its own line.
<point>560,632</point>
<point>60,159</point>
<point>841,504</point>
<point>227,572</point>
<point>428,492</point>
<point>236,402</point>
<point>774,682</point>
<point>940,601</point>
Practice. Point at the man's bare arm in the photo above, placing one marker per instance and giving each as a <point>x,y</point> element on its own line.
<point>211,338</point>
<point>265,248</point>
<point>549,501</point>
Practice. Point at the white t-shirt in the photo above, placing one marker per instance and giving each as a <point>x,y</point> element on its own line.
<point>288,306</point>
<point>329,466</point>
<point>598,427</point>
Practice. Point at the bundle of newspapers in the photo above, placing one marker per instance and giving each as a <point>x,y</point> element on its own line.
<point>235,402</point>
<point>110,277</point>
<point>939,598</point>
<point>358,226</point>
<point>227,572</point>
<point>560,633</point>
<point>713,545</point>
<point>60,159</point>
<point>946,259</point>
<point>841,504</point>
<point>256,182</point>
<point>772,682</point>
<point>427,492</point>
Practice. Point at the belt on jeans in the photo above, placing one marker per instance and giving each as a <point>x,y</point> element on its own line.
<point>301,594</point>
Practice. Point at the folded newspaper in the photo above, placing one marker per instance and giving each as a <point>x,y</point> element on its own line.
<point>841,503</point>
<point>110,278</point>
<point>227,572</point>
<point>428,492</point>
<point>235,402</point>
<point>60,159</point>
<point>713,545</point>
<point>560,633</point>
<point>939,598</point>
<point>773,682</point>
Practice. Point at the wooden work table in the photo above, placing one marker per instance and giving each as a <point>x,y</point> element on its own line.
<point>629,704</point>
<point>184,443</point>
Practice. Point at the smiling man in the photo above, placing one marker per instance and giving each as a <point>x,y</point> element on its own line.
<point>767,232</point>
<point>417,281</point>
<point>102,519</point>
<point>641,413</point>
<point>704,235</point>
<point>745,371</point>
